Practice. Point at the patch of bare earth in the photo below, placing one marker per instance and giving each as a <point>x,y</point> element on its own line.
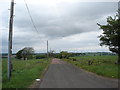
<point>57,61</point>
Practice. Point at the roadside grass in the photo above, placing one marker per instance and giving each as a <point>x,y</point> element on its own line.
<point>24,72</point>
<point>0,73</point>
<point>102,65</point>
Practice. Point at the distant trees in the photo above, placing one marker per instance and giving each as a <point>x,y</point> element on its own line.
<point>64,54</point>
<point>51,53</point>
<point>25,53</point>
<point>111,35</point>
<point>41,56</point>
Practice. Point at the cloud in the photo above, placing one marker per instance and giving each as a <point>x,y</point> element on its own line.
<point>63,19</point>
<point>55,21</point>
<point>79,42</point>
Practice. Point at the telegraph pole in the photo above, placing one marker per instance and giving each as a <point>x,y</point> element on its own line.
<point>119,34</point>
<point>119,9</point>
<point>10,39</point>
<point>50,52</point>
<point>47,49</point>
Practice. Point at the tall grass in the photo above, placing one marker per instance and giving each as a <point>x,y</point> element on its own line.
<point>24,72</point>
<point>102,65</point>
<point>0,73</point>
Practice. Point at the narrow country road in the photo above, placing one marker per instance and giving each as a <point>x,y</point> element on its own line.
<point>63,75</point>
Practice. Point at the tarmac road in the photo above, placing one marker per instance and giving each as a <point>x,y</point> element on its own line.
<point>63,75</point>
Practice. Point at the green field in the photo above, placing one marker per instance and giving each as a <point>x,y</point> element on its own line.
<point>102,65</point>
<point>24,72</point>
<point>0,73</point>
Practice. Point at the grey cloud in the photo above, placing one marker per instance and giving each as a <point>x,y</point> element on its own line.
<point>65,20</point>
<point>64,25</point>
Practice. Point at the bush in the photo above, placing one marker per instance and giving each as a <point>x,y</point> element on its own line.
<point>19,54</point>
<point>25,53</point>
<point>41,56</point>
<point>57,55</point>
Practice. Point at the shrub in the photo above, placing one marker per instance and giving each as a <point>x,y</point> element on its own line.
<point>41,56</point>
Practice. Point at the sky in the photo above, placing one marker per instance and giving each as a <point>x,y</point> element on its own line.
<point>68,25</point>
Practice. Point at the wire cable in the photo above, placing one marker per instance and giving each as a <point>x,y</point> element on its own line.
<point>31,17</point>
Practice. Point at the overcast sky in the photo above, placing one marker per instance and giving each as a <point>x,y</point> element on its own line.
<point>69,25</point>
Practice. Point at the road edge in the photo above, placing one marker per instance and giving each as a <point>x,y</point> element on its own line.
<point>92,73</point>
<point>36,84</point>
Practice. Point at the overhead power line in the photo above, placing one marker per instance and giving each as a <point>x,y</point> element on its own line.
<point>31,17</point>
<point>33,21</point>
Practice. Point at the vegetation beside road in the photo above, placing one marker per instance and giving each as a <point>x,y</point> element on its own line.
<point>24,72</point>
<point>0,73</point>
<point>101,65</point>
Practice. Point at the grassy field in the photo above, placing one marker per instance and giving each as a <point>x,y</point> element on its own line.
<point>24,72</point>
<point>0,73</point>
<point>102,65</point>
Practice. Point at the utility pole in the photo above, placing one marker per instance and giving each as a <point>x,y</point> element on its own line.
<point>47,49</point>
<point>119,34</point>
<point>50,52</point>
<point>10,39</point>
<point>119,9</point>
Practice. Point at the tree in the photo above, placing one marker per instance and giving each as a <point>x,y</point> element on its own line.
<point>19,54</point>
<point>51,53</point>
<point>25,53</point>
<point>64,54</point>
<point>111,35</point>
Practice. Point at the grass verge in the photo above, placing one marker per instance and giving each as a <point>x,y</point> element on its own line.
<point>24,72</point>
<point>102,65</point>
<point>0,73</point>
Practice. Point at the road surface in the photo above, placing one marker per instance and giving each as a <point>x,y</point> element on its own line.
<point>63,75</point>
